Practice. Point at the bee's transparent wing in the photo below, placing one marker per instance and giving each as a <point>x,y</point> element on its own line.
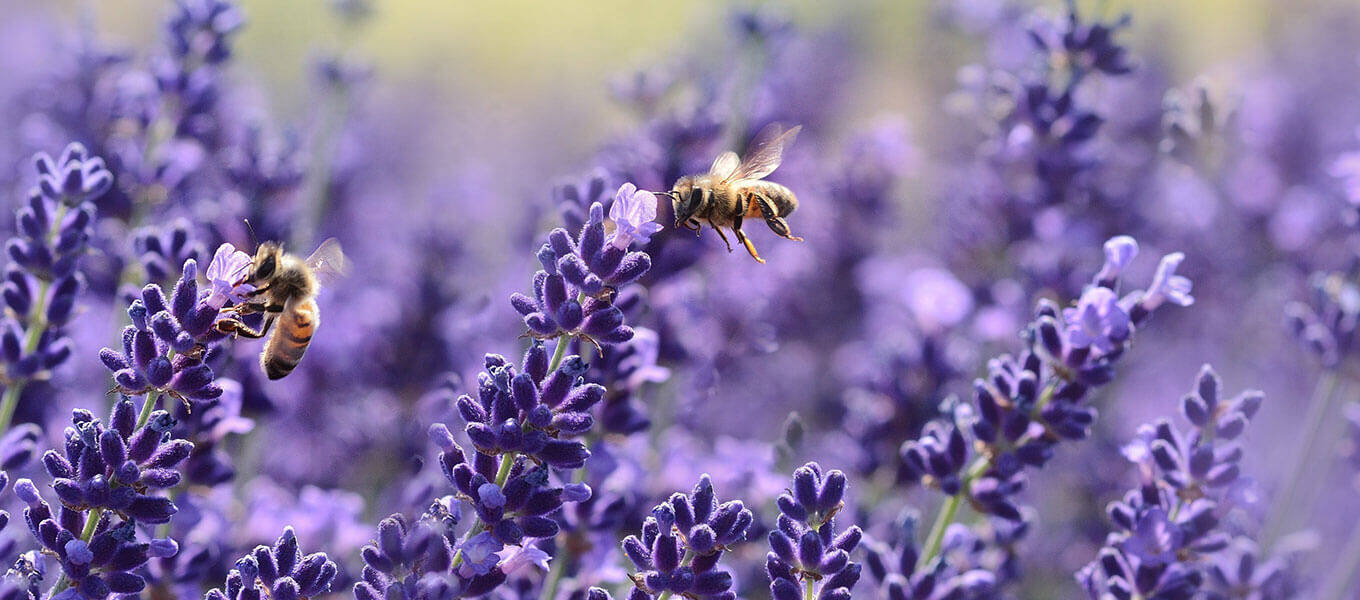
<point>328,262</point>
<point>725,165</point>
<point>766,151</point>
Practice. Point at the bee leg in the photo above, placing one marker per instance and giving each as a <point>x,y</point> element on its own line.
<point>741,235</point>
<point>724,237</point>
<point>777,223</point>
<point>749,246</point>
<point>239,329</point>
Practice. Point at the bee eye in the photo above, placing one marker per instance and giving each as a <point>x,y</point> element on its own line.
<point>265,268</point>
<point>696,195</point>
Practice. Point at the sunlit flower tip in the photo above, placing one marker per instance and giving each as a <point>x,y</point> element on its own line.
<point>1119,252</point>
<point>1167,286</point>
<point>441,436</point>
<point>78,552</point>
<point>163,548</point>
<point>490,495</point>
<point>576,492</point>
<point>226,275</point>
<point>27,491</point>
<point>634,216</point>
<point>596,215</point>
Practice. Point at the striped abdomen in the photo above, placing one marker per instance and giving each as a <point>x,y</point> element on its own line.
<point>291,336</point>
<point>780,197</point>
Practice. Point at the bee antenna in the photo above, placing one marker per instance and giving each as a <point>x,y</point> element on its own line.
<point>253,240</point>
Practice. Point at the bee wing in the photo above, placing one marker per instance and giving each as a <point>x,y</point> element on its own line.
<point>766,151</point>
<point>725,166</point>
<point>328,262</point>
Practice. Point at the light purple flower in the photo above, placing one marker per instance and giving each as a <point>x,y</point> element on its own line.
<point>1098,321</point>
<point>226,274</point>
<point>642,364</point>
<point>229,407</point>
<point>1119,252</point>
<point>515,558</point>
<point>479,555</point>
<point>634,216</point>
<point>1155,539</point>
<point>1167,286</point>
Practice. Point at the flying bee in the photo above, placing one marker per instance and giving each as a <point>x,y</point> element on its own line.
<point>734,190</point>
<point>285,290</point>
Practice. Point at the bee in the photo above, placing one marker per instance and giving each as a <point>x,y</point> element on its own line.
<point>285,290</point>
<point>734,190</point>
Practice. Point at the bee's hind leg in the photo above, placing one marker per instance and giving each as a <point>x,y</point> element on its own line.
<point>723,236</point>
<point>777,223</point>
<point>741,235</point>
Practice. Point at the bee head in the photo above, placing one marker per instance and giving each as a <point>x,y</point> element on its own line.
<point>266,261</point>
<point>686,198</point>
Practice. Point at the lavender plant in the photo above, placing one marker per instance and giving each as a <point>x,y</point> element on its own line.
<point>1169,528</point>
<point>1030,403</point>
<point>42,280</point>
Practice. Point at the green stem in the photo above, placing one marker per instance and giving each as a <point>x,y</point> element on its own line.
<point>559,352</point>
<point>936,537</point>
<point>148,406</point>
<point>811,591</point>
<point>9,402</point>
<point>948,512</point>
<point>555,574</point>
<point>502,474</point>
<point>36,324</point>
<point>1319,407</point>
<point>1344,573</point>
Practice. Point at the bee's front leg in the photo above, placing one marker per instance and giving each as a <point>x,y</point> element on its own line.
<point>236,328</point>
<point>724,237</point>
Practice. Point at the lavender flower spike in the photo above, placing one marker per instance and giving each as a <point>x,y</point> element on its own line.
<point>280,572</point>
<point>1169,525</point>
<point>805,548</point>
<point>682,543</point>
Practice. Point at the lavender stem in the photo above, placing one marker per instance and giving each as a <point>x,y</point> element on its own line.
<point>37,325</point>
<point>1343,574</point>
<point>1319,406</point>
